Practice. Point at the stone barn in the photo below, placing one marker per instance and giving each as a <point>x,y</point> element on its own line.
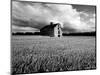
<point>52,30</point>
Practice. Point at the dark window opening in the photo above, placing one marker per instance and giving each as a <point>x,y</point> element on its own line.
<point>58,31</point>
<point>58,35</point>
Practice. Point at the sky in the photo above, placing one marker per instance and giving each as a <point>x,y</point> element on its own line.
<point>31,17</point>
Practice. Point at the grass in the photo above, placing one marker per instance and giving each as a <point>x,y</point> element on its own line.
<point>37,54</point>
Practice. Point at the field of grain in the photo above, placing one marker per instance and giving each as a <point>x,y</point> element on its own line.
<point>35,54</point>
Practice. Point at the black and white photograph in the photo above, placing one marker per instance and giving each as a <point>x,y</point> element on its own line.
<point>52,37</point>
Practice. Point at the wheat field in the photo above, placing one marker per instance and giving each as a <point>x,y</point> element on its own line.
<point>36,54</point>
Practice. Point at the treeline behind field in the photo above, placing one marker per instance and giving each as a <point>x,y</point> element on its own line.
<point>81,34</point>
<point>26,33</point>
<point>64,34</point>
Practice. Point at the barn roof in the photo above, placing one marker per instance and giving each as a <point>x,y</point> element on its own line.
<point>49,26</point>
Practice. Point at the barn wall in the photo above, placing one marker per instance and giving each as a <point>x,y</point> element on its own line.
<point>56,31</point>
<point>51,32</point>
<point>48,31</point>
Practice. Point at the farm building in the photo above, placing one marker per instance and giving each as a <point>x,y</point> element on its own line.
<point>52,30</point>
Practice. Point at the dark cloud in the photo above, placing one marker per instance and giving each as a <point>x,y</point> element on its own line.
<point>86,8</point>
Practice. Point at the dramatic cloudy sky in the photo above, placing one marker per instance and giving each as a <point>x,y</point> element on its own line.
<point>30,16</point>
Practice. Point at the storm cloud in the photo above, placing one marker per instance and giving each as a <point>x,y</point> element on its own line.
<point>38,15</point>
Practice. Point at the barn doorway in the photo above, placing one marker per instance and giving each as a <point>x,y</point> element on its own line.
<point>58,35</point>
